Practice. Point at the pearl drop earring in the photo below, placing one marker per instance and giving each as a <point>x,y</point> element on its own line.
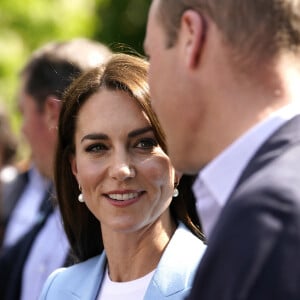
<point>80,198</point>
<point>175,192</point>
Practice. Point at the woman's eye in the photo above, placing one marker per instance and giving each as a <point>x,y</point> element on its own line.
<point>96,148</point>
<point>147,143</point>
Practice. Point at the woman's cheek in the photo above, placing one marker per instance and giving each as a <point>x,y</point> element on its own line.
<point>158,170</point>
<point>90,172</point>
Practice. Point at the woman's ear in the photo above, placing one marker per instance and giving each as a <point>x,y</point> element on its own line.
<point>192,35</point>
<point>177,177</point>
<point>73,163</point>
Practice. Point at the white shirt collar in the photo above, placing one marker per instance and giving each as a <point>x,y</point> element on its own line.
<point>37,180</point>
<point>220,176</point>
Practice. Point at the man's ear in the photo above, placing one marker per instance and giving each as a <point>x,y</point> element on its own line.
<point>192,34</point>
<point>52,110</point>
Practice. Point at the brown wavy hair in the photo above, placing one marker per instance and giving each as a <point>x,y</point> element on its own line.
<point>125,73</point>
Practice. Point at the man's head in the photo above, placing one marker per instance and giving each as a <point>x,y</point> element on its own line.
<point>199,50</point>
<point>44,79</point>
<point>255,28</point>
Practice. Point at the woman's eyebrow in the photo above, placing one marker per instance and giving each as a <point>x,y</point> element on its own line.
<point>139,131</point>
<point>94,136</point>
<point>102,136</point>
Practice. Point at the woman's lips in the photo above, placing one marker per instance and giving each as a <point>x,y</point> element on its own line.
<point>124,198</point>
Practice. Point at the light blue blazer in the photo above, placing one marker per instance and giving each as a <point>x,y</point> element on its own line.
<point>172,279</point>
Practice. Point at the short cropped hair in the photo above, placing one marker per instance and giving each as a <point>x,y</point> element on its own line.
<point>259,28</point>
<point>52,68</point>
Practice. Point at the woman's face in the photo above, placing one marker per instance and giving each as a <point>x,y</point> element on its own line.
<point>127,180</point>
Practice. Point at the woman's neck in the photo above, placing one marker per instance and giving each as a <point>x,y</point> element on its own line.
<point>135,254</point>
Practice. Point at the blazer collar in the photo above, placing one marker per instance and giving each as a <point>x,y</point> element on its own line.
<point>91,282</point>
<point>160,283</point>
<point>176,261</point>
<point>283,138</point>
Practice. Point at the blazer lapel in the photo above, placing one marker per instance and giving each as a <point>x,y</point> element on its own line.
<point>90,285</point>
<point>173,272</point>
<point>283,138</point>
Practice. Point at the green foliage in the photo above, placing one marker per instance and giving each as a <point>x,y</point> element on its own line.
<point>122,21</point>
<point>26,25</point>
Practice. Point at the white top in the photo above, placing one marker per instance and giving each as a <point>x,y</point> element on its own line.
<point>24,214</point>
<point>129,290</point>
<point>48,252</point>
<point>217,180</point>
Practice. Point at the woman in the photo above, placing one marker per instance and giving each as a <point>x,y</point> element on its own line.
<point>112,157</point>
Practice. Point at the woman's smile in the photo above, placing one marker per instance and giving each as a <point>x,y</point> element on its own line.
<point>125,198</point>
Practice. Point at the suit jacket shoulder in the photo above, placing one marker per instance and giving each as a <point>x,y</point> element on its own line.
<point>253,249</point>
<point>11,192</point>
<point>172,279</point>
<point>80,281</point>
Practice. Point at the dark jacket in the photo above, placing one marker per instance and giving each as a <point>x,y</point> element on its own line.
<point>253,252</point>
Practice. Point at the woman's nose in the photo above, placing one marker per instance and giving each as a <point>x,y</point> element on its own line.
<point>122,169</point>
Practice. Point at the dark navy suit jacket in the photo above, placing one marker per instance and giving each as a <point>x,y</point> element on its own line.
<point>10,194</point>
<point>254,249</point>
<point>13,258</point>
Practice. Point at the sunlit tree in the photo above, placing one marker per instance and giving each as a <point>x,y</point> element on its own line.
<point>27,24</point>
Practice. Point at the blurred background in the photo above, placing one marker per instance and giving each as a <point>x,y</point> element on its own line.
<point>27,24</point>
